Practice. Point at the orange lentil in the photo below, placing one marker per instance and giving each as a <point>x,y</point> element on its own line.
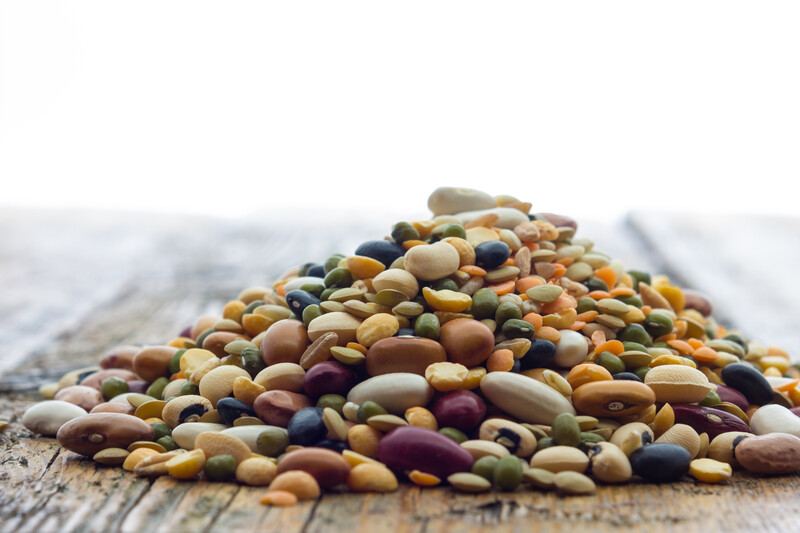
<point>704,354</point>
<point>423,479</point>
<point>356,346</point>
<point>566,261</point>
<point>533,319</point>
<point>549,334</point>
<point>279,498</point>
<point>577,325</point>
<point>599,295</point>
<point>608,276</point>
<point>503,288</point>
<point>559,270</point>
<point>500,361</point>
<point>473,270</point>
<point>774,350</point>
<point>587,316</point>
<point>510,262</point>
<point>683,347</point>
<point>412,243</point>
<point>532,246</point>
<point>680,328</point>
<point>281,289</point>
<point>614,346</point>
<point>794,395</point>
<point>695,343</point>
<point>598,337</point>
<point>528,282</point>
<point>786,387</point>
<point>622,291</point>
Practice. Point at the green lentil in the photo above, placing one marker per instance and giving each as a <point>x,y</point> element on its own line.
<point>466,482</point>
<point>252,306</point>
<point>587,437</point>
<point>586,303</point>
<point>506,311</point>
<point>508,473</point>
<point>658,324</point>
<point>175,362</point>
<point>546,442</point>
<point>484,467</point>
<point>332,262</point>
<point>334,401</point>
<point>711,399</point>
<point>454,434</point>
<point>189,388</point>
<point>444,284</point>
<point>369,409</point>
<point>310,313</point>
<point>539,478</point>
<point>156,388</point>
<point>220,467</point>
<point>202,337</point>
<point>168,443</point>
<point>403,231</point>
<point>642,372</point>
<point>325,294</point>
<point>427,325</point>
<point>338,278</point>
<point>252,360</point>
<point>631,300</point>
<point>313,288</point>
<point>638,276</point>
<point>484,303</point>
<point>517,328</point>
<point>113,386</point>
<point>595,284</point>
<point>635,333</point>
<point>610,362</point>
<point>160,429</point>
<point>272,441</point>
<point>565,430</point>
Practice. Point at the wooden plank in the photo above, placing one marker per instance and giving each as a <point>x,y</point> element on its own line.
<point>746,264</point>
<point>244,513</point>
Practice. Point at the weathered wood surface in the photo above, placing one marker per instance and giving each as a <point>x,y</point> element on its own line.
<point>75,285</point>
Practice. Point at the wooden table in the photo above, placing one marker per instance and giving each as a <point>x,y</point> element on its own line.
<point>74,284</point>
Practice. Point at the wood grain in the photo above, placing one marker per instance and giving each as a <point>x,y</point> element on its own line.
<point>87,283</point>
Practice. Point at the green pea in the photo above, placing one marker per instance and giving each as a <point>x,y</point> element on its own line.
<point>484,303</point>
<point>272,441</point>
<point>202,337</point>
<point>324,295</point>
<point>565,430</point>
<point>658,324</point>
<point>160,429</point>
<point>610,362</point>
<point>444,283</point>
<point>711,399</point>
<point>332,263</point>
<point>113,386</point>
<point>453,230</point>
<point>454,434</point>
<point>310,313</point>
<point>642,371</point>
<point>220,467</point>
<point>506,311</point>
<point>427,325</point>
<point>639,276</point>
<point>546,442</point>
<point>586,303</point>
<point>733,337</point>
<point>484,467</point>
<point>175,362</point>
<point>369,409</point>
<point>168,443</point>
<point>252,360</point>
<point>403,231</point>
<point>516,328</point>
<point>156,388</point>
<point>334,401</point>
<point>189,388</point>
<point>508,473</point>
<point>635,333</point>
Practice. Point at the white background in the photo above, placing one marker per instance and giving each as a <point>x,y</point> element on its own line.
<point>590,108</point>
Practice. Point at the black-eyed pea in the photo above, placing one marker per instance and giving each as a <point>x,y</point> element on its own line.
<point>721,446</point>
<point>514,437</point>
<point>609,464</point>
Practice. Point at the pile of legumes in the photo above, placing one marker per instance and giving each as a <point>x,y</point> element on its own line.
<point>487,349</point>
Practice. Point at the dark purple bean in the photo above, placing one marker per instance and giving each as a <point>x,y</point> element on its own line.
<point>708,420</point>
<point>731,395</point>
<point>412,448</point>
<point>460,409</point>
<point>329,377</point>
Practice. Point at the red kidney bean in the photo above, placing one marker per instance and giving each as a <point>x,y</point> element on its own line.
<point>708,420</point>
<point>460,409</point>
<point>329,377</point>
<point>412,448</point>
<point>749,382</point>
